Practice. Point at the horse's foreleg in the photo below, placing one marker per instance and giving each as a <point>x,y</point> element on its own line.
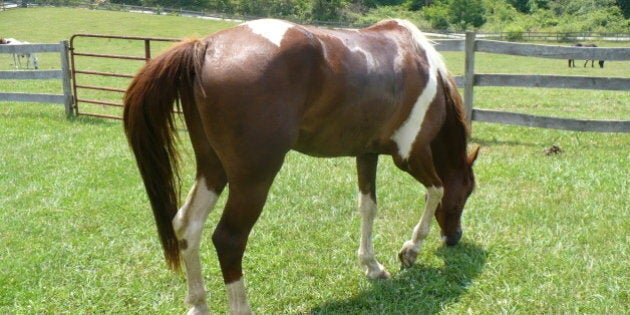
<point>188,225</point>
<point>16,61</point>
<point>411,248</point>
<point>366,170</point>
<point>421,167</point>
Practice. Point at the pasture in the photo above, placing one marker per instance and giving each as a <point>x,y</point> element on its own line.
<point>542,233</point>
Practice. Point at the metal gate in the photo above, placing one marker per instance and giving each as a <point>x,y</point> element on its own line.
<point>102,68</point>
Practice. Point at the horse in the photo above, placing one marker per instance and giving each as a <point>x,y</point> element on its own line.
<point>252,93</point>
<point>17,58</point>
<point>601,62</point>
<point>572,61</point>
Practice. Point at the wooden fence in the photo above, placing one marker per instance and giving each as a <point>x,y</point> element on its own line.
<point>471,79</point>
<point>62,74</point>
<point>470,46</point>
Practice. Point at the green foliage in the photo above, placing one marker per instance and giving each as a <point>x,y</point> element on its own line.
<point>438,16</point>
<point>515,32</point>
<point>528,6</point>
<point>624,5</point>
<point>328,10</point>
<point>388,12</point>
<point>457,14</point>
<point>484,15</point>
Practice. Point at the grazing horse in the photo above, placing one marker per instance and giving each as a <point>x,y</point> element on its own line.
<point>572,61</point>
<point>601,62</point>
<point>251,93</point>
<point>17,58</point>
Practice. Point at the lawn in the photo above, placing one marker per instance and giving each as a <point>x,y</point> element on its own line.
<point>542,234</point>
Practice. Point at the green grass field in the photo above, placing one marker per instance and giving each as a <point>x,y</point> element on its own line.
<point>542,234</point>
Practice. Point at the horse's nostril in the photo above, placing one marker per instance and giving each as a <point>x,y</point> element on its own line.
<point>453,239</point>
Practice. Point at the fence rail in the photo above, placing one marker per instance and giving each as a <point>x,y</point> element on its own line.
<point>469,80</point>
<point>78,51</point>
<point>63,74</point>
<point>471,45</point>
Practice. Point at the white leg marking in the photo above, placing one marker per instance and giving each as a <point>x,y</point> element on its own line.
<point>408,131</point>
<point>410,249</point>
<point>272,30</point>
<point>188,225</point>
<point>367,209</point>
<point>238,298</point>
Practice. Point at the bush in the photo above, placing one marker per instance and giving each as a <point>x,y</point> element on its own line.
<point>458,14</point>
<point>514,32</point>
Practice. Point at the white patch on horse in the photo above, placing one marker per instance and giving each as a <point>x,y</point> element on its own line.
<point>238,298</point>
<point>407,133</point>
<point>371,62</point>
<point>270,29</point>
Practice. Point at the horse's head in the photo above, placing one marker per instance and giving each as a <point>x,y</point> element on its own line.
<point>458,185</point>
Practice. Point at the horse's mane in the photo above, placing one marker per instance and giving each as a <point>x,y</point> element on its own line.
<point>455,129</point>
<point>457,104</point>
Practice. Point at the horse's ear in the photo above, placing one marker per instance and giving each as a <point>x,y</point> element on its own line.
<point>473,156</point>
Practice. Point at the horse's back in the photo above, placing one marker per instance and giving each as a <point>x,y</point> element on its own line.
<point>327,92</point>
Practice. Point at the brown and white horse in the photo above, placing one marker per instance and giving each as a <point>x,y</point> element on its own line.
<point>251,93</point>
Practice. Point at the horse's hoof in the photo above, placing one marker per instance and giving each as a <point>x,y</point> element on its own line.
<point>201,309</point>
<point>380,275</point>
<point>407,256</point>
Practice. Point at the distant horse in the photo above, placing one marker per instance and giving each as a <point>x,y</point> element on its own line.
<point>572,61</point>
<point>601,62</point>
<point>17,58</point>
<point>251,93</point>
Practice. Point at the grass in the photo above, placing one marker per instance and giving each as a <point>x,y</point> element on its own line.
<point>542,234</point>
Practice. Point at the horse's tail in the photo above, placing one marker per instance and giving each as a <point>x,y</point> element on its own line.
<point>151,131</point>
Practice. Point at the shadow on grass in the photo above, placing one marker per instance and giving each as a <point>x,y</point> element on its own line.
<point>417,290</point>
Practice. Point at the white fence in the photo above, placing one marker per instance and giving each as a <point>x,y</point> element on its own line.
<point>63,74</point>
<point>471,45</point>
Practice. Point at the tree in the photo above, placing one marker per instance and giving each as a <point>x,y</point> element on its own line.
<point>466,13</point>
<point>624,5</point>
<point>328,10</point>
<point>459,14</point>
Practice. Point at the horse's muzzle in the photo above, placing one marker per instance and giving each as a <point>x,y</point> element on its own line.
<point>453,239</point>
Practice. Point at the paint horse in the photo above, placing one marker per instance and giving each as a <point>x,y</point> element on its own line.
<point>17,58</point>
<point>572,61</point>
<point>251,93</point>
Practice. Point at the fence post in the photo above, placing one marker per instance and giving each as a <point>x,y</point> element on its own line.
<point>469,75</point>
<point>65,77</point>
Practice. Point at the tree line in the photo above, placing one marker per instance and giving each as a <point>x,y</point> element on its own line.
<point>484,15</point>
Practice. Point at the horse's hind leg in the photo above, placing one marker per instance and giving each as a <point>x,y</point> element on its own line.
<point>189,223</point>
<point>420,166</point>
<point>244,205</point>
<point>366,170</point>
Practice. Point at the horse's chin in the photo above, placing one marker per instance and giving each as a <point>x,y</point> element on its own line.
<point>453,238</point>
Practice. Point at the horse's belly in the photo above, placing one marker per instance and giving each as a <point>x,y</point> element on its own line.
<point>338,138</point>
